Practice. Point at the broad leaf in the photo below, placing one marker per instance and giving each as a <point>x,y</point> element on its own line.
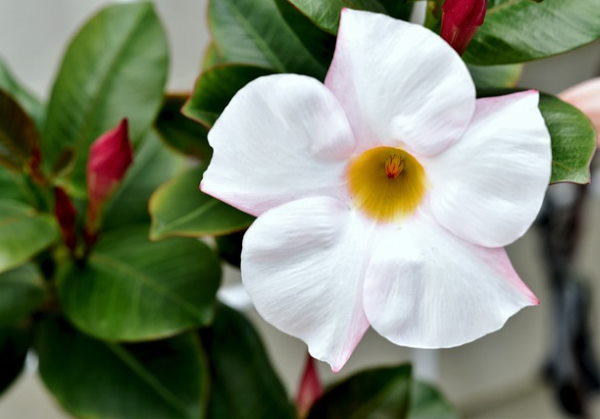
<point>23,233</point>
<point>96,379</point>
<point>230,247</point>
<point>115,67</point>
<point>381,393</point>
<point>244,384</point>
<point>11,185</point>
<point>14,345</point>
<point>215,88</point>
<point>18,135</point>
<point>181,133</point>
<point>515,31</point>
<point>212,57</point>
<point>179,208</point>
<point>254,32</point>
<point>426,402</point>
<point>496,76</point>
<point>132,289</point>
<point>28,102</point>
<point>21,292</point>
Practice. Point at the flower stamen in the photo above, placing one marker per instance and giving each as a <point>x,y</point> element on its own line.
<point>394,166</point>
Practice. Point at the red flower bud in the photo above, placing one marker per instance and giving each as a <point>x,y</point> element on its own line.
<point>66,214</point>
<point>310,388</point>
<point>460,20</point>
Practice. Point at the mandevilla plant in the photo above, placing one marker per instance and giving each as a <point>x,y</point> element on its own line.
<point>103,275</point>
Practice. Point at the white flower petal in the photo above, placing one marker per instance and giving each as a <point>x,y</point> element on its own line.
<point>281,138</point>
<point>303,265</point>
<point>401,84</point>
<point>489,187</point>
<point>427,288</point>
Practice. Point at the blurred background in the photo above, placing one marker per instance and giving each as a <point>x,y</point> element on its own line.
<point>498,376</point>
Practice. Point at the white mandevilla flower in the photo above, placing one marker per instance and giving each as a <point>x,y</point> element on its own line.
<point>384,197</point>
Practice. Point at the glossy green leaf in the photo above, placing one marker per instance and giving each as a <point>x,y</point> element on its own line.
<point>244,384</point>
<point>21,292</point>
<point>215,88</point>
<point>212,57</point>
<point>18,135</point>
<point>23,233</point>
<point>427,402</point>
<point>515,31</point>
<point>153,164</point>
<point>95,379</point>
<point>254,32</point>
<point>115,67</point>
<point>28,102</point>
<point>376,393</point>
<point>179,208</point>
<point>179,132</point>
<point>14,345</point>
<point>133,289</point>
<point>496,76</point>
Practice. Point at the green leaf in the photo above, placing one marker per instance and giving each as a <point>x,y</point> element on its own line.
<point>230,247</point>
<point>244,384</point>
<point>96,379</point>
<point>515,31</point>
<point>496,76</point>
<point>115,67</point>
<point>21,292</point>
<point>254,32</point>
<point>18,135</point>
<point>14,345</point>
<point>23,233</point>
<point>10,185</point>
<point>181,133</point>
<point>375,393</point>
<point>28,102</point>
<point>215,88</point>
<point>179,208</point>
<point>132,289</point>
<point>212,57</point>
<point>153,165</point>
<point>426,402</point>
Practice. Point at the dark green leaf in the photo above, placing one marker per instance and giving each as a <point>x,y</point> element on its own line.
<point>14,344</point>
<point>376,393</point>
<point>426,402</point>
<point>181,133</point>
<point>96,379</point>
<point>254,32</point>
<point>18,135</point>
<point>230,247</point>
<point>487,77</point>
<point>244,384</point>
<point>133,289</point>
<point>10,185</point>
<point>23,233</point>
<point>31,104</point>
<point>215,88</point>
<point>212,57</point>
<point>115,67</point>
<point>515,31</point>
<point>21,292</point>
<point>179,208</point>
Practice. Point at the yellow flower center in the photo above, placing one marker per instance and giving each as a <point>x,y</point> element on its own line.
<point>386,183</point>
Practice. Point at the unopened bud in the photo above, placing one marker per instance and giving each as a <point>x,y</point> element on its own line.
<point>460,21</point>
<point>66,215</point>
<point>310,388</point>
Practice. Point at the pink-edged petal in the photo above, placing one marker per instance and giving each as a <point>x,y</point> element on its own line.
<point>281,138</point>
<point>303,265</point>
<point>401,84</point>
<point>427,288</point>
<point>489,187</point>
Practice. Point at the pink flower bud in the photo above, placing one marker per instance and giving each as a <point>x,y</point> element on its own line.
<point>66,214</point>
<point>310,388</point>
<point>586,97</point>
<point>460,20</point>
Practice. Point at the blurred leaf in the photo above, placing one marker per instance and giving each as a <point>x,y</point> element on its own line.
<point>212,57</point>
<point>9,185</point>
<point>23,233</point>
<point>21,292</point>
<point>28,102</point>
<point>244,384</point>
<point>180,132</point>
<point>153,164</point>
<point>96,379</point>
<point>215,88</point>
<point>515,31</point>
<point>426,402</point>
<point>376,393</point>
<point>254,32</point>
<point>115,67</point>
<point>132,289</point>
<point>179,208</point>
<point>14,345</point>
<point>486,77</point>
<point>18,135</point>
<point>230,247</point>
